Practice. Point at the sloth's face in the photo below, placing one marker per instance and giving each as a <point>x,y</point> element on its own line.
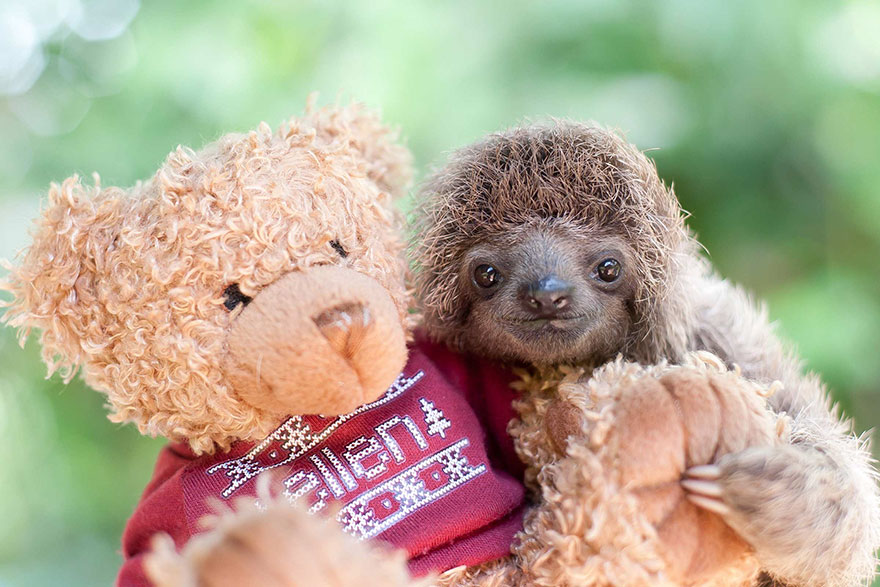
<point>548,294</point>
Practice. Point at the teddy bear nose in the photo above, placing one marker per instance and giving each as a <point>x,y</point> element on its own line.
<point>345,327</point>
<point>546,297</point>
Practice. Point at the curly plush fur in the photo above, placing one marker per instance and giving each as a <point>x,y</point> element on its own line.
<point>809,508</point>
<point>129,284</point>
<point>611,511</point>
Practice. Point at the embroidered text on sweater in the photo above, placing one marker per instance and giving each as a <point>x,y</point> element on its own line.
<point>396,442</point>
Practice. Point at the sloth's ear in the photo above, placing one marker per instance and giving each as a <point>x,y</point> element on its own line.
<point>53,287</point>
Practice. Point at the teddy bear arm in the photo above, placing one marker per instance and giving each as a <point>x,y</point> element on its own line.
<point>718,413</point>
<point>280,546</point>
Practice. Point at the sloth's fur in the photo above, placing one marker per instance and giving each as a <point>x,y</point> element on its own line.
<point>810,509</point>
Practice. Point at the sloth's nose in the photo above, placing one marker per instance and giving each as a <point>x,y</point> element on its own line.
<point>546,297</point>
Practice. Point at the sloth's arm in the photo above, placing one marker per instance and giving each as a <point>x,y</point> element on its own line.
<point>810,509</point>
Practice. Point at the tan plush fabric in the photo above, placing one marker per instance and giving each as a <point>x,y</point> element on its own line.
<point>279,546</point>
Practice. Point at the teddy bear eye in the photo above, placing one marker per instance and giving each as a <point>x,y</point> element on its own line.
<point>339,249</point>
<point>234,297</point>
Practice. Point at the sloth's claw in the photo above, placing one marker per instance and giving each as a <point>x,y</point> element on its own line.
<point>711,504</point>
<point>709,472</point>
<point>704,488</point>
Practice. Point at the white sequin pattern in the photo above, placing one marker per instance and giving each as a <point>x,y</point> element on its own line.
<point>370,513</point>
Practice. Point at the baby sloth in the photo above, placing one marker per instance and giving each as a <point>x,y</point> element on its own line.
<point>559,243</point>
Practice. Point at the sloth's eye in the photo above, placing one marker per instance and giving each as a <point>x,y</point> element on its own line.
<point>234,297</point>
<point>608,270</point>
<point>486,276</point>
<point>339,249</point>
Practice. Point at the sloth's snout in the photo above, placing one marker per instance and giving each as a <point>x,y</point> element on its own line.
<point>546,297</point>
<point>345,327</point>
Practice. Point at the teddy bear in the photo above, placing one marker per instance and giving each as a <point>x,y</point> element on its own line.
<point>248,303</point>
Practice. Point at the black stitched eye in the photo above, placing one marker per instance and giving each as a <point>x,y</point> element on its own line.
<point>486,276</point>
<point>339,249</point>
<point>608,270</point>
<point>234,297</point>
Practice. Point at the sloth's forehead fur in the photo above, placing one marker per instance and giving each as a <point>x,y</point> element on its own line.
<point>577,173</point>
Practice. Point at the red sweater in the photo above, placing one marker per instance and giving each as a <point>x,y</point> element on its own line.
<point>423,468</point>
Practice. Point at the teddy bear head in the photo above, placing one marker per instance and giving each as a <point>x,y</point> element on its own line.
<point>259,277</point>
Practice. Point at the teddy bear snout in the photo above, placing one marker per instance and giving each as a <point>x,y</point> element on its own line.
<point>345,328</point>
<point>319,341</point>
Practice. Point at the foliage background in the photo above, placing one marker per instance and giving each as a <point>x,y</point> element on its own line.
<point>766,116</point>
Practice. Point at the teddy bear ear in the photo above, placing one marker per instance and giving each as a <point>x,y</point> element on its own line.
<point>389,162</point>
<point>53,286</point>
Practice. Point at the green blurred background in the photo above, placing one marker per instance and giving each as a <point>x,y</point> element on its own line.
<point>765,115</point>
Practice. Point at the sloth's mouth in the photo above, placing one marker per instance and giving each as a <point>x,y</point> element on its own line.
<point>557,322</point>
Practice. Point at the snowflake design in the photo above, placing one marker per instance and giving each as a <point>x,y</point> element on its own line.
<point>434,418</point>
<point>410,492</point>
<point>358,521</point>
<point>298,436</point>
<point>455,465</point>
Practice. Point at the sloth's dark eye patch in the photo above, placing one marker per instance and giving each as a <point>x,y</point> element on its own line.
<point>339,249</point>
<point>234,297</point>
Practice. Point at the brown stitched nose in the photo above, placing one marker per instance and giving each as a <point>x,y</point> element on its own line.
<point>345,327</point>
